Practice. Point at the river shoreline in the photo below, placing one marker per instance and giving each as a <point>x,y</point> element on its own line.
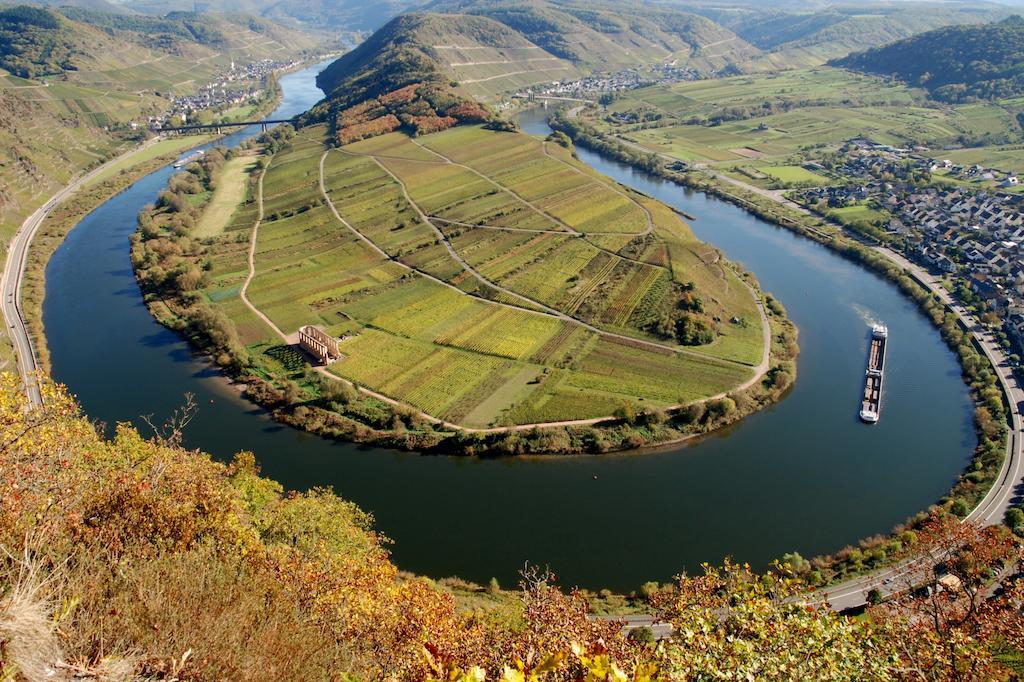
<point>39,254</point>
<point>706,499</point>
<point>427,434</point>
<point>856,251</point>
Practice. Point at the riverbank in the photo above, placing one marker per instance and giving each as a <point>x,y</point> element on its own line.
<point>990,457</point>
<point>327,405</point>
<point>751,491</point>
<point>64,215</point>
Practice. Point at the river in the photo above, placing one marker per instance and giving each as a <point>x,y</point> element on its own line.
<point>805,475</point>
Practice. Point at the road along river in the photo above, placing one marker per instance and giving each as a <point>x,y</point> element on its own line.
<point>804,475</point>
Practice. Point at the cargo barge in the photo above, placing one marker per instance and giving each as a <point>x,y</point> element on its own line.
<point>871,401</point>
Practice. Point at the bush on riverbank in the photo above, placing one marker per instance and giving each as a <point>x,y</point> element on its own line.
<point>51,235</point>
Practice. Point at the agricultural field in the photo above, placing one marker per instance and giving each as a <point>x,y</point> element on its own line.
<point>858,213</point>
<point>230,192</point>
<point>484,278</point>
<point>1007,158</point>
<point>794,174</point>
<point>767,121</point>
<point>484,71</point>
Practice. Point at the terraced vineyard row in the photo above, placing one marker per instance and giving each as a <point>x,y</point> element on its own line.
<point>428,323</point>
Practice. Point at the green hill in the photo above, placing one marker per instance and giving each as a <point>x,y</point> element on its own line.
<point>956,63</point>
<point>604,35</point>
<point>812,36</point>
<point>425,71</point>
<point>397,78</point>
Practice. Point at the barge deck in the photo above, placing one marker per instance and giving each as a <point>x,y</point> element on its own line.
<point>871,401</point>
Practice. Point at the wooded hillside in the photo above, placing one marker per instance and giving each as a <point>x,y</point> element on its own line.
<point>956,63</point>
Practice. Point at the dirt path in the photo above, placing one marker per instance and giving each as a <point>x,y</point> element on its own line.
<point>759,371</point>
<point>243,293</point>
<point>612,187</point>
<point>506,190</point>
<point>532,301</point>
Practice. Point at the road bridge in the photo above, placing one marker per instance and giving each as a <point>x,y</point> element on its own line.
<point>193,127</point>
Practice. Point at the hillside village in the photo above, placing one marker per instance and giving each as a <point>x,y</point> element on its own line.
<point>240,84</point>
<point>622,80</point>
<point>938,219</point>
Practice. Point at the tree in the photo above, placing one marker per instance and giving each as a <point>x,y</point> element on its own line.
<point>943,622</point>
<point>733,624</point>
<point>292,393</point>
<point>334,391</point>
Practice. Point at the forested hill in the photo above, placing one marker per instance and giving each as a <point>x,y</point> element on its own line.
<point>813,36</point>
<point>956,63</point>
<point>396,78</point>
<point>36,41</point>
<point>427,71</point>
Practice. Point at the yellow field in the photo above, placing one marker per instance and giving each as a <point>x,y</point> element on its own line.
<point>230,192</point>
<point>482,277</point>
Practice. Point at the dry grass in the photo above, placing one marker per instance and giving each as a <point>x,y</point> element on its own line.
<point>28,643</point>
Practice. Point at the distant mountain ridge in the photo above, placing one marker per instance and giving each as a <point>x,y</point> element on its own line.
<point>354,15</point>
<point>818,32</point>
<point>955,63</point>
<point>606,35</point>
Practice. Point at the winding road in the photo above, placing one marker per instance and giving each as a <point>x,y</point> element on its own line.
<point>1009,486</point>
<point>14,274</point>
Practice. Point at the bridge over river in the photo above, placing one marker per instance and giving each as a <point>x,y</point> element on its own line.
<point>218,127</point>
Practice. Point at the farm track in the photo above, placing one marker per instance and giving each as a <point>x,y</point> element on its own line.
<point>569,230</point>
<point>243,293</point>
<point>759,370</point>
<point>506,190</point>
<point>548,309</point>
<point>612,187</point>
<point>562,233</point>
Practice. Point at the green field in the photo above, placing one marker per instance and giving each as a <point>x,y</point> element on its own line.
<point>230,192</point>
<point>484,278</point>
<point>857,213</point>
<point>794,174</point>
<point>770,120</point>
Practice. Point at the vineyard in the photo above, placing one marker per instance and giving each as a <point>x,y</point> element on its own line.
<point>482,277</point>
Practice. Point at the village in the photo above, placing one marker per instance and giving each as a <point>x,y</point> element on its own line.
<point>239,85</point>
<point>618,81</point>
<point>929,210</point>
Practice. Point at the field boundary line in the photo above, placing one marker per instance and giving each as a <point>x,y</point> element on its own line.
<point>323,371</point>
<point>243,293</point>
<point>552,311</point>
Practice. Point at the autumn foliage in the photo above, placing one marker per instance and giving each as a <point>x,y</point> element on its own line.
<point>419,108</point>
<point>131,558</point>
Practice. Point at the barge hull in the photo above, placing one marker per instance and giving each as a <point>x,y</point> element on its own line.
<point>871,400</point>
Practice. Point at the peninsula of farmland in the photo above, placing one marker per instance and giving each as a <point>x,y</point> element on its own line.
<point>485,278</point>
